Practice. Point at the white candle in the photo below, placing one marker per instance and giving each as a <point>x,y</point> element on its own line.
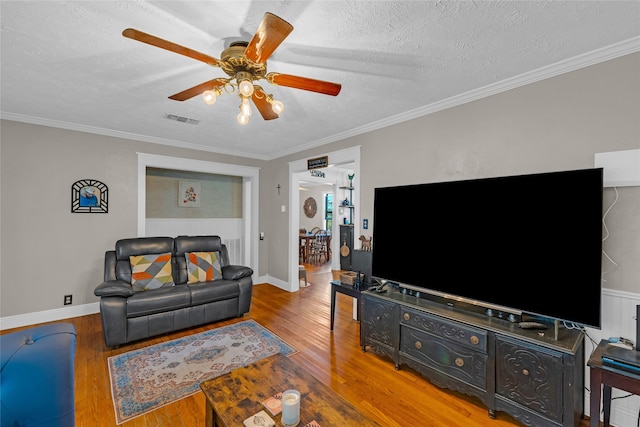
<point>290,407</point>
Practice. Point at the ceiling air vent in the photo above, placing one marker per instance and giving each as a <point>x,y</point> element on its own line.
<point>182,119</point>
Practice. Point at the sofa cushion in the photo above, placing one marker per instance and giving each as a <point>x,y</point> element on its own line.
<point>151,271</point>
<point>203,266</point>
<point>214,291</point>
<point>158,301</point>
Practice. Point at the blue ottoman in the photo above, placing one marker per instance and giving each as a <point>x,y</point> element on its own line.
<point>36,376</point>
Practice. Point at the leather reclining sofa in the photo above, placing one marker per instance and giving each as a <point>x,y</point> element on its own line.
<point>157,285</point>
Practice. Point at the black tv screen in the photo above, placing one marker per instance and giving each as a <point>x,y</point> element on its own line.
<point>530,243</point>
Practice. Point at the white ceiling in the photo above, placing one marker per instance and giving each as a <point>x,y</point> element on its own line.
<point>66,64</point>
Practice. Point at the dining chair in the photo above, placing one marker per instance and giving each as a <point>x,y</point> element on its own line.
<point>318,247</point>
<point>303,250</point>
<point>327,247</point>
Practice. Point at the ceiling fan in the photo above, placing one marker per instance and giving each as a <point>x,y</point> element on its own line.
<point>244,63</point>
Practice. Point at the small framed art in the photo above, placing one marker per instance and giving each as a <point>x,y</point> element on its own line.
<point>89,196</point>
<point>189,194</point>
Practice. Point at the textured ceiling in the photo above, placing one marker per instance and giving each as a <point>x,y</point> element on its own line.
<point>66,64</point>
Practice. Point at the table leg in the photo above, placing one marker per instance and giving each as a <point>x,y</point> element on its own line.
<point>606,404</point>
<point>596,389</point>
<point>333,304</point>
<point>302,243</point>
<point>210,416</point>
<point>306,250</point>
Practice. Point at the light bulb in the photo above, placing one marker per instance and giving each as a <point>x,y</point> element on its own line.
<point>209,97</point>
<point>245,88</point>
<point>277,107</point>
<point>245,107</point>
<point>243,119</point>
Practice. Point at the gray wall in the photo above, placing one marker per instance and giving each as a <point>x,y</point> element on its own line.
<point>47,251</point>
<point>556,124</point>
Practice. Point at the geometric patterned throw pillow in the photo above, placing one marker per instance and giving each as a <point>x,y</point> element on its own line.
<point>151,271</point>
<point>203,266</point>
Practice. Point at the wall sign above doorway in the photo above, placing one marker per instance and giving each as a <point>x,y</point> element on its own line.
<point>318,162</point>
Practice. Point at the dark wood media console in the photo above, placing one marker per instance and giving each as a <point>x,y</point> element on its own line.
<point>526,373</point>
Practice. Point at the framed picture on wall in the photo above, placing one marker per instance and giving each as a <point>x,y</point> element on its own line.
<point>89,196</point>
<point>189,194</point>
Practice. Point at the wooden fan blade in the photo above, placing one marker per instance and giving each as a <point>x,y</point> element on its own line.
<point>304,83</point>
<point>271,32</point>
<point>197,90</point>
<point>172,47</point>
<point>260,99</point>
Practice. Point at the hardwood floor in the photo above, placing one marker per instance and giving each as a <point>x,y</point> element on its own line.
<point>369,382</point>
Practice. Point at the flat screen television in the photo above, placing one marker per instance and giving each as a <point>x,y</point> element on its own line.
<point>529,243</point>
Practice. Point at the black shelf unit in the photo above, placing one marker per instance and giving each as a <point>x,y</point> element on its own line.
<point>350,205</point>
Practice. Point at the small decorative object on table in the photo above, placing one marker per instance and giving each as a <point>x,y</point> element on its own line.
<point>260,419</point>
<point>366,243</point>
<point>273,404</point>
<point>351,278</point>
<point>290,408</point>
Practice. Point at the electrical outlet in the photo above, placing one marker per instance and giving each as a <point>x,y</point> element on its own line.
<point>68,299</point>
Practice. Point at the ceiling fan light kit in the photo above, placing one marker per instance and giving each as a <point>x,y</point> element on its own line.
<point>244,63</point>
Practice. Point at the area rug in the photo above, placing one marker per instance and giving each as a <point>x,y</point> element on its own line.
<point>147,379</point>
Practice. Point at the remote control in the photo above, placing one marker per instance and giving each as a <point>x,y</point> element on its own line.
<point>532,325</point>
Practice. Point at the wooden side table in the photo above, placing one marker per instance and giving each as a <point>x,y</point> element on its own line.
<point>603,378</point>
<point>339,287</point>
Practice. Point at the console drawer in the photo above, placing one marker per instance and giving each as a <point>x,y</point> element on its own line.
<point>458,332</point>
<point>444,355</point>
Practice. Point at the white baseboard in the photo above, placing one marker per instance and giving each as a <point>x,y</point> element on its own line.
<point>10,322</point>
<point>27,319</point>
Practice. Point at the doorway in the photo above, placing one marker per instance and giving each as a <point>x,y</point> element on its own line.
<point>315,213</point>
<point>335,175</point>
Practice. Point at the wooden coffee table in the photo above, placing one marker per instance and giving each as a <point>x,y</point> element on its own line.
<point>233,397</point>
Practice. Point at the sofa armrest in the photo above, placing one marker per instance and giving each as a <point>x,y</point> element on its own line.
<point>113,288</point>
<point>236,272</point>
